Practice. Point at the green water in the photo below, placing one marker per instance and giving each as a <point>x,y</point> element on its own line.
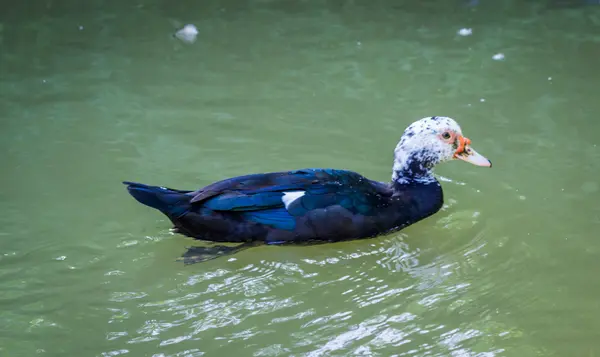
<point>96,92</point>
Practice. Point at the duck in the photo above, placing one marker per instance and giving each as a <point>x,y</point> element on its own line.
<point>315,205</point>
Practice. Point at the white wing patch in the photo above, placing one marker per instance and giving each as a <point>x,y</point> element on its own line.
<point>289,197</point>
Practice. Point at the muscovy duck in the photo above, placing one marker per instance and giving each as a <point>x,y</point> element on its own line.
<point>317,205</point>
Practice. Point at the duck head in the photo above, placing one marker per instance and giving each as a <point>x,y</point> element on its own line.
<point>428,142</point>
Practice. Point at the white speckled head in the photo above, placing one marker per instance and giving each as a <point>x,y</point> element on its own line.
<point>428,142</point>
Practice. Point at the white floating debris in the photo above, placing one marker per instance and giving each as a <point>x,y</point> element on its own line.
<point>62,257</point>
<point>114,272</point>
<point>232,259</point>
<point>482,100</point>
<point>465,32</point>
<point>80,28</point>
<point>549,78</point>
<point>498,57</point>
<point>187,34</point>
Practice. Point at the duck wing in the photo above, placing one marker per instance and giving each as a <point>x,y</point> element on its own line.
<point>276,199</point>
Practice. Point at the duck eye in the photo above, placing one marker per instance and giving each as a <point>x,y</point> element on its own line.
<point>446,135</point>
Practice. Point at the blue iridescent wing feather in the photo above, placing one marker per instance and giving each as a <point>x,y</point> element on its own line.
<point>258,198</point>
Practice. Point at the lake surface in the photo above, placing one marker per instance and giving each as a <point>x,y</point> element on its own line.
<point>96,92</point>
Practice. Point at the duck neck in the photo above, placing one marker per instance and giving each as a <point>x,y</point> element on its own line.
<point>409,169</point>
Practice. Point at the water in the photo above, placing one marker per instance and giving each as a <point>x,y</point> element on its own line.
<point>99,93</point>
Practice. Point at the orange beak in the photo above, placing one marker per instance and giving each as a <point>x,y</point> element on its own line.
<point>466,153</point>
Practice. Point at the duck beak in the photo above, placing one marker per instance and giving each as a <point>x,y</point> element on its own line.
<point>466,153</point>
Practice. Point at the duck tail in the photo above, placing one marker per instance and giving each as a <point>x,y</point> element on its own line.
<point>171,202</point>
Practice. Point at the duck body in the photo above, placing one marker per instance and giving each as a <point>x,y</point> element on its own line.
<point>317,204</point>
<point>293,206</point>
